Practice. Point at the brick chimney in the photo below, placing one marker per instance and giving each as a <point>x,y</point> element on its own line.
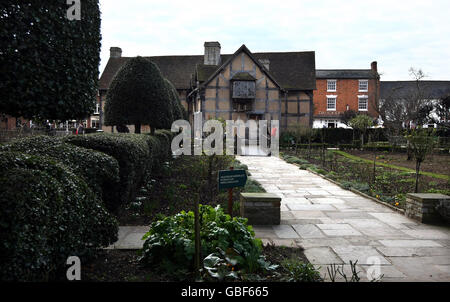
<point>374,66</point>
<point>115,52</point>
<point>212,53</point>
<point>265,63</point>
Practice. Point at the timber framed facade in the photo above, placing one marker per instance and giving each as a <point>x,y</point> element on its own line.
<point>243,85</point>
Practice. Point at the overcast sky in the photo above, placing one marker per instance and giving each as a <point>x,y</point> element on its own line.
<point>346,34</point>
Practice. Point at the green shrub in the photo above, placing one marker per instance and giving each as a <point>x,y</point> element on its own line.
<point>138,95</point>
<point>252,186</point>
<point>49,63</point>
<point>169,244</point>
<point>299,271</point>
<point>47,213</point>
<point>98,170</point>
<point>132,153</point>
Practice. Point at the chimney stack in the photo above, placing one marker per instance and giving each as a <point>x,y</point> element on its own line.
<point>212,53</point>
<point>265,63</point>
<point>374,66</point>
<point>115,52</point>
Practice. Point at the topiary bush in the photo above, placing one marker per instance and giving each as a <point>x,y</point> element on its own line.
<point>99,170</point>
<point>47,213</point>
<point>169,244</point>
<point>132,153</point>
<point>49,63</point>
<point>138,95</point>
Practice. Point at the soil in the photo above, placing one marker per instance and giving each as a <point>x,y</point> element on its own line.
<point>124,266</point>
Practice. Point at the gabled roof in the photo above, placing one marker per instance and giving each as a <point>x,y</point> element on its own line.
<point>397,89</point>
<point>292,70</point>
<point>345,74</point>
<point>241,49</point>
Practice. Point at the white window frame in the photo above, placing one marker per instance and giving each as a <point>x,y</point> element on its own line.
<point>335,85</point>
<point>97,108</point>
<point>335,102</point>
<point>366,98</point>
<point>366,84</point>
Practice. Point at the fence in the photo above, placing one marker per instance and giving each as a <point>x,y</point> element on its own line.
<point>8,135</point>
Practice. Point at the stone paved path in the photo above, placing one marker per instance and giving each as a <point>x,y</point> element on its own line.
<point>334,225</point>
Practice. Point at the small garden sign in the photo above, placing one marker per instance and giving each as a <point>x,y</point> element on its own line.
<point>229,179</point>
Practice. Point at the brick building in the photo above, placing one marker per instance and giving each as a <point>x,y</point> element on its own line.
<point>345,89</point>
<point>242,85</point>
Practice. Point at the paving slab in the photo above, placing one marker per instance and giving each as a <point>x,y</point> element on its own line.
<point>310,207</point>
<point>409,243</point>
<point>322,255</point>
<point>308,231</point>
<point>362,254</point>
<point>285,232</point>
<point>349,226</point>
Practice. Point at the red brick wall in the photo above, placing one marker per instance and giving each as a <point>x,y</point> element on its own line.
<point>347,94</point>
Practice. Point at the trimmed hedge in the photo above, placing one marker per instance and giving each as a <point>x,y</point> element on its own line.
<point>47,213</point>
<point>49,64</point>
<point>98,170</point>
<point>137,155</point>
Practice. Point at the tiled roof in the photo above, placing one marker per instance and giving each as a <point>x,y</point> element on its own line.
<point>345,74</point>
<point>434,89</point>
<point>292,70</point>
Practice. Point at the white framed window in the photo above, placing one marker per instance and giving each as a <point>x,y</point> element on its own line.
<point>97,108</point>
<point>331,85</point>
<point>363,103</point>
<point>331,103</point>
<point>363,85</point>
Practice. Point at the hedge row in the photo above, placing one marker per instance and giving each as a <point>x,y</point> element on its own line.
<point>51,192</point>
<point>136,154</point>
<point>334,136</point>
<point>99,170</point>
<point>47,213</point>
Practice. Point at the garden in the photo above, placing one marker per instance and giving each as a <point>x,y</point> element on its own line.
<point>67,196</point>
<point>385,170</point>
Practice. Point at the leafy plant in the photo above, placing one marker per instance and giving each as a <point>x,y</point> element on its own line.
<point>169,244</point>
<point>299,271</point>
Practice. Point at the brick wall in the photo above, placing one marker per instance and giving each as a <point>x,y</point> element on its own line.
<point>347,91</point>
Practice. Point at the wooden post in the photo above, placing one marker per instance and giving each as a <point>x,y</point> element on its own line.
<point>230,199</point>
<point>197,263</point>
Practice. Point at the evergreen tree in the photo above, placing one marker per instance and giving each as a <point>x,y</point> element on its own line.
<point>138,96</point>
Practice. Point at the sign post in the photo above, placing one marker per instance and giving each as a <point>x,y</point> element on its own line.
<point>229,179</point>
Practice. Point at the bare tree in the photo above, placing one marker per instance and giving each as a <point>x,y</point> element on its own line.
<point>404,106</point>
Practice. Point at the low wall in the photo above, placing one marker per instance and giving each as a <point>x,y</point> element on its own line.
<point>261,208</point>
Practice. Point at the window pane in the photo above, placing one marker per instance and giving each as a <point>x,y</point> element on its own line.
<point>243,89</point>
<point>363,85</point>
<point>331,85</point>
<point>331,103</point>
<point>362,104</point>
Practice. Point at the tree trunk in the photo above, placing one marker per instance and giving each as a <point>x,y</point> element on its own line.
<point>137,128</point>
<point>152,130</point>
<point>416,190</point>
